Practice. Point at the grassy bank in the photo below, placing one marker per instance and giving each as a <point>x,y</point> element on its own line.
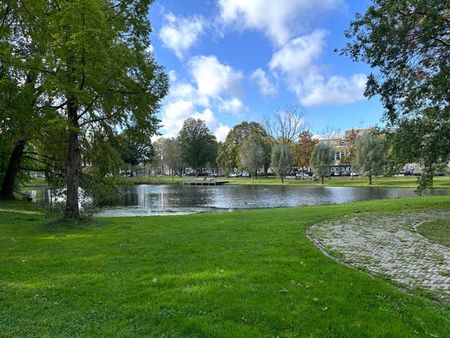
<point>241,274</point>
<point>400,181</point>
<point>386,182</point>
<point>438,231</point>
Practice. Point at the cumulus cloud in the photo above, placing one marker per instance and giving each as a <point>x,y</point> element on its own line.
<point>335,90</point>
<point>214,78</point>
<point>213,87</point>
<point>180,34</point>
<point>233,105</point>
<point>299,54</point>
<point>298,60</point>
<point>266,87</point>
<point>279,20</point>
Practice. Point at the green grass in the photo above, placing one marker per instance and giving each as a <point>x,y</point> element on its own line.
<point>400,181</point>
<point>438,231</point>
<point>240,274</point>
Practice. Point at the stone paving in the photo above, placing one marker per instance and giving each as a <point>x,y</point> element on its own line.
<point>389,244</point>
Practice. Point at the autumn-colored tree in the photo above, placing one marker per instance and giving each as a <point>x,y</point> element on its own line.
<point>350,138</point>
<point>303,149</point>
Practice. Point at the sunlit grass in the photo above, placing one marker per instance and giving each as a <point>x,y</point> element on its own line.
<point>241,274</point>
<point>393,181</point>
<point>438,231</point>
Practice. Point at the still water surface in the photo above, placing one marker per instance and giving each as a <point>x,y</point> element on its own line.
<point>145,200</point>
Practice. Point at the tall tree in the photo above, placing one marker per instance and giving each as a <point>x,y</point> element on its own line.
<point>229,151</point>
<point>370,154</point>
<point>20,89</point>
<point>198,144</point>
<point>408,43</point>
<point>285,125</point>
<point>321,159</point>
<point>281,160</point>
<point>252,157</point>
<point>97,68</point>
<point>304,148</point>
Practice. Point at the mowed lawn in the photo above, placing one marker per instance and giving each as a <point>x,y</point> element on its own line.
<point>390,181</point>
<point>239,274</point>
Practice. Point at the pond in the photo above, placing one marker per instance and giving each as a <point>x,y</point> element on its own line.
<point>148,200</point>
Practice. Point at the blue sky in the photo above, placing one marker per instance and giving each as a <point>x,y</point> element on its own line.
<point>233,60</point>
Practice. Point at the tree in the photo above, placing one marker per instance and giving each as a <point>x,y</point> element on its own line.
<point>19,90</point>
<point>281,159</point>
<point>350,138</point>
<point>370,154</point>
<point>285,126</point>
<point>97,71</point>
<point>169,153</point>
<point>198,144</point>
<point>321,159</point>
<point>304,148</point>
<point>252,157</point>
<point>229,152</point>
<point>135,148</point>
<point>408,43</point>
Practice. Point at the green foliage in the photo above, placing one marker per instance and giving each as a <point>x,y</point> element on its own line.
<point>88,63</point>
<point>199,275</point>
<point>135,147</point>
<point>321,159</point>
<point>407,42</point>
<point>281,159</point>
<point>198,144</point>
<point>251,156</point>
<point>229,151</point>
<point>168,153</point>
<point>370,156</point>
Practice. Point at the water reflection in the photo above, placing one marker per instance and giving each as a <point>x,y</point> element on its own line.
<point>176,199</point>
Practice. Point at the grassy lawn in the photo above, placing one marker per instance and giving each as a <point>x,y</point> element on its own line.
<point>241,274</point>
<point>395,181</point>
<point>438,231</point>
<point>400,181</point>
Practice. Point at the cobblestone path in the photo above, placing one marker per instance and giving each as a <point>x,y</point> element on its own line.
<point>389,244</point>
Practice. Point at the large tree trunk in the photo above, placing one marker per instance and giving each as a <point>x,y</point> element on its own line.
<point>370,179</point>
<point>7,190</point>
<point>73,164</point>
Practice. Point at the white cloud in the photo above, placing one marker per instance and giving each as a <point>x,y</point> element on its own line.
<point>213,87</point>
<point>233,105</point>
<point>180,34</point>
<point>214,78</point>
<point>279,20</point>
<point>173,115</point>
<point>335,90</point>
<point>297,62</point>
<point>266,87</point>
<point>299,54</point>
